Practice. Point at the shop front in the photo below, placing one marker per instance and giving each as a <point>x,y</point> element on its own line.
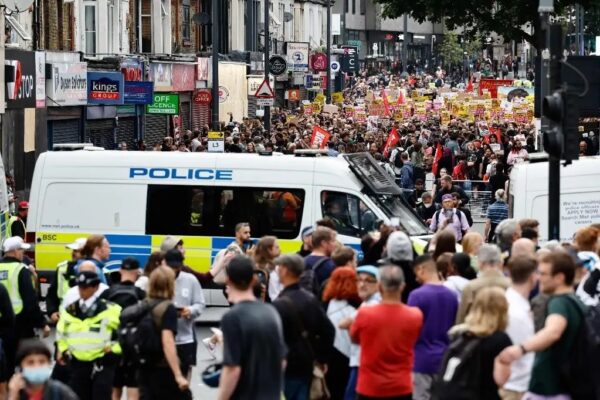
<point>105,91</point>
<point>66,93</point>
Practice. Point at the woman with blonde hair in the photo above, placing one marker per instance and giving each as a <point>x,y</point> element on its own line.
<point>474,349</point>
<point>471,243</point>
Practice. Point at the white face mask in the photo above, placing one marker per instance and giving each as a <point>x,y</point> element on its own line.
<point>427,205</point>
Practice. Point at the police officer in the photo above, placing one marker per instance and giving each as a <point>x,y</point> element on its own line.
<point>87,338</point>
<point>16,223</point>
<point>18,281</point>
<point>62,279</point>
<point>56,292</point>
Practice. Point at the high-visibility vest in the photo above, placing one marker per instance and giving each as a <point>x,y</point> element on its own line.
<point>9,277</point>
<point>86,339</point>
<point>11,220</point>
<point>62,284</point>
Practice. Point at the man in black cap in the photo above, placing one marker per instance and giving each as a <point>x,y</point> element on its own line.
<point>125,294</point>
<point>254,349</point>
<point>189,301</point>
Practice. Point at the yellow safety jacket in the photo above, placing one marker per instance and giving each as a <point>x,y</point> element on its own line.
<point>9,277</point>
<point>62,284</point>
<point>11,220</point>
<point>85,338</point>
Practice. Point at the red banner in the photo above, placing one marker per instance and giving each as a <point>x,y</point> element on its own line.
<point>491,85</point>
<point>392,140</point>
<point>320,137</point>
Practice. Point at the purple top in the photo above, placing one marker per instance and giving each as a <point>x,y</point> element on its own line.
<point>439,306</point>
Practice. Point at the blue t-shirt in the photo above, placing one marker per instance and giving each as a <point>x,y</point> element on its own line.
<point>324,270</point>
<point>439,306</point>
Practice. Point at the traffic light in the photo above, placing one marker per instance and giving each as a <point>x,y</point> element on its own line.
<point>562,139</point>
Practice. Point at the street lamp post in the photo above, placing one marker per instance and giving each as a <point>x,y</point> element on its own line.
<point>216,124</point>
<point>328,66</point>
<point>267,109</point>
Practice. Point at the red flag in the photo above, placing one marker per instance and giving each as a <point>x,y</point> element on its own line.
<point>437,157</point>
<point>320,137</point>
<point>401,99</point>
<point>392,140</point>
<point>386,103</point>
<point>470,85</point>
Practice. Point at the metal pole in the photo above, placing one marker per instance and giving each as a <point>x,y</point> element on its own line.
<point>216,124</point>
<point>405,43</point>
<point>328,90</point>
<point>267,117</point>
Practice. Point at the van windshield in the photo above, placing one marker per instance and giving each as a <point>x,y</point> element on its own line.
<point>393,206</point>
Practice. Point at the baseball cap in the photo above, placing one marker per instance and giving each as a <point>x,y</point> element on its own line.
<point>309,230</point>
<point>130,264</point>
<point>240,270</point>
<point>368,269</point>
<point>87,278</point>
<point>447,197</point>
<point>15,243</point>
<point>169,243</point>
<point>23,205</point>
<point>77,244</point>
<point>174,258</point>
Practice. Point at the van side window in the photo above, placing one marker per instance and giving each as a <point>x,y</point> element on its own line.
<point>350,215</point>
<point>214,211</point>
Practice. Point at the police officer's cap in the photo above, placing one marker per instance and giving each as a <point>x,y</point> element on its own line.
<point>130,264</point>
<point>87,279</point>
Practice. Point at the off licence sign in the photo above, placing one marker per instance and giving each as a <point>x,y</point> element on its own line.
<point>164,104</point>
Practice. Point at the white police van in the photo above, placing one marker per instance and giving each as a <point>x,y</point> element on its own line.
<point>579,194</point>
<point>137,198</point>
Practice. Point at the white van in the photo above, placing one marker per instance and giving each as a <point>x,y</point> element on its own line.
<point>137,198</point>
<point>579,194</point>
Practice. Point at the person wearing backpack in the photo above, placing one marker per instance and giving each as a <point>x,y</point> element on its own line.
<point>472,368</point>
<point>125,294</point>
<point>564,366</point>
<point>450,217</point>
<point>307,331</point>
<point>407,179</point>
<point>318,265</point>
<point>160,377</point>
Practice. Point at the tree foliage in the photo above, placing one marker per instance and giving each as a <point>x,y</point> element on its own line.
<point>453,52</point>
<point>512,19</point>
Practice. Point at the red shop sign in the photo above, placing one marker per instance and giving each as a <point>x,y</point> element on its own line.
<point>319,62</point>
<point>203,97</point>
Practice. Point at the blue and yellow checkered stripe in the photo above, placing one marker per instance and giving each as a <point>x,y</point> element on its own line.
<point>4,218</point>
<point>199,250</point>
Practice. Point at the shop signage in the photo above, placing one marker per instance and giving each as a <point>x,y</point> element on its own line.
<point>203,97</point>
<point>297,56</point>
<point>40,76</point>
<point>167,104</point>
<point>105,87</point>
<point>294,95</point>
<point>318,62</point>
<point>67,84</point>
<point>20,79</point>
<point>184,77</point>
<point>139,92</point>
<point>162,76</point>
<point>132,69</point>
<point>349,60</point>
<point>277,65</point>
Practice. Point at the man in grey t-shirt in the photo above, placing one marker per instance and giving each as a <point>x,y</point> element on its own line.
<point>254,350</point>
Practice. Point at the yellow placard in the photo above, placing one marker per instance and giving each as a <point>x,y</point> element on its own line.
<point>216,135</point>
<point>337,97</point>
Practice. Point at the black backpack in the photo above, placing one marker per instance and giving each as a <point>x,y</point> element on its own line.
<point>308,279</point>
<point>123,295</point>
<point>140,333</point>
<point>581,372</point>
<point>459,377</point>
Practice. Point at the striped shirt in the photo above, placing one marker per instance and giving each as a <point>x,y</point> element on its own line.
<point>497,212</point>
